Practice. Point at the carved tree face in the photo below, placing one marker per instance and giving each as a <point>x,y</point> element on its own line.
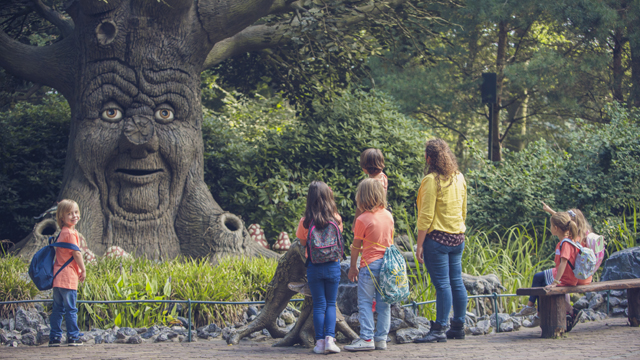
<point>139,137</point>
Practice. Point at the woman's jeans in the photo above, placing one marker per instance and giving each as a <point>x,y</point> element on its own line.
<point>444,264</point>
<point>541,279</point>
<point>366,294</point>
<point>64,304</point>
<point>323,283</point>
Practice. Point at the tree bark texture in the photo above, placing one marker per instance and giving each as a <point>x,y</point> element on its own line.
<point>291,269</point>
<point>634,307</point>
<point>501,58</point>
<point>553,321</point>
<point>130,71</point>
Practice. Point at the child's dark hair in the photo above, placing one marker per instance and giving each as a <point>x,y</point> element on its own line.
<point>443,161</point>
<point>321,208</point>
<point>372,160</point>
<point>563,221</point>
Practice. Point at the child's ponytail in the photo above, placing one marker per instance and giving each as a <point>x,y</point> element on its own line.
<point>563,221</point>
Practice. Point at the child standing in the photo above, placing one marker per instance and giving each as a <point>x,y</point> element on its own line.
<point>65,284</point>
<point>321,212</point>
<point>373,233</point>
<point>563,227</point>
<point>372,163</point>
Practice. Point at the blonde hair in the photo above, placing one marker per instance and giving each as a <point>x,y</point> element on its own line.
<point>562,221</point>
<point>64,207</point>
<point>370,195</point>
<point>583,225</point>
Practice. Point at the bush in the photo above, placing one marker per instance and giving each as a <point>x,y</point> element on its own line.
<point>33,147</point>
<point>599,173</point>
<point>264,178</point>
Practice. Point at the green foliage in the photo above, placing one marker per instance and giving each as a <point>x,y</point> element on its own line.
<point>33,147</point>
<point>265,177</point>
<point>14,283</point>
<point>232,279</point>
<point>598,173</point>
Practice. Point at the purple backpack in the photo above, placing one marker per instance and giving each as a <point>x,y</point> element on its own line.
<point>326,244</point>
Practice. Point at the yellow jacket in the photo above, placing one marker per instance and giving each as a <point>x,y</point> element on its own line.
<point>444,210</point>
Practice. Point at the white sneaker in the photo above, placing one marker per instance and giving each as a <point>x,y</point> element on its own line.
<point>361,345</point>
<point>319,349</point>
<point>526,311</point>
<point>330,345</point>
<point>381,345</point>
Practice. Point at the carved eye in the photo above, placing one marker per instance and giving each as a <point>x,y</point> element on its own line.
<point>164,115</point>
<point>111,112</point>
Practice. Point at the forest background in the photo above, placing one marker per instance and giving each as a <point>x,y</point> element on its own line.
<point>338,82</point>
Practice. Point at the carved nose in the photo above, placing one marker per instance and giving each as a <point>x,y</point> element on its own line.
<point>139,137</point>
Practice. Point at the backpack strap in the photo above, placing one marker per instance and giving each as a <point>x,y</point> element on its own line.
<point>576,245</point>
<point>65,246</point>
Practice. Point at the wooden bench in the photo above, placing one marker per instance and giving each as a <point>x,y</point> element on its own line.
<point>552,310</point>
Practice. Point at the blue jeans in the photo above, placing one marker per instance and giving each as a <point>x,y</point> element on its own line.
<point>64,303</point>
<point>444,264</point>
<point>541,279</point>
<point>366,294</point>
<point>323,283</point>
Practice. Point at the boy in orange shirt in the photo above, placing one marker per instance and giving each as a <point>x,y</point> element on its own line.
<point>65,284</point>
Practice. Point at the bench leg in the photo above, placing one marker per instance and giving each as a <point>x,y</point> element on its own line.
<point>553,316</point>
<point>633,296</point>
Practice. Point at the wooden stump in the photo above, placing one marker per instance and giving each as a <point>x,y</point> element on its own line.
<point>553,319</point>
<point>633,296</point>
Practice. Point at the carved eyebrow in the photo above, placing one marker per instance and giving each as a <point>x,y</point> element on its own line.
<point>112,66</point>
<point>112,79</point>
<point>166,75</point>
<point>105,92</point>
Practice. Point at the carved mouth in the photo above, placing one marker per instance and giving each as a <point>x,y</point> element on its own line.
<point>138,172</point>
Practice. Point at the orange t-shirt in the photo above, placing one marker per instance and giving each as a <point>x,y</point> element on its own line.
<point>374,227</point>
<point>68,277</point>
<point>568,252</point>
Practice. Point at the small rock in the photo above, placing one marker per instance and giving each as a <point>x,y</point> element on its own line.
<point>3,336</point>
<point>120,335</point>
<point>150,332</point>
<point>29,339</point>
<point>280,322</point>
<point>203,334</point>
<point>86,337</point>
<point>288,317</point>
<point>252,311</point>
<point>353,321</point>
<point>135,339</point>
<point>397,311</point>
<point>172,335</point>
<point>410,318</point>
<point>254,335</point>
<point>4,324</point>
<point>98,339</point>
<point>617,311</point>
<point>162,337</point>
<point>12,343</point>
<point>109,338</point>
<point>624,303</point>
<point>185,322</point>
<point>186,339</point>
<point>397,324</point>
<point>293,310</point>
<point>27,319</point>
<point>423,321</point>
<point>28,331</point>
<point>141,330</point>
<point>485,325</point>
<point>596,301</point>
<point>408,335</point>
<point>506,326</point>
<point>266,333</point>
<point>618,293</point>
<point>12,324</point>
<point>583,303</point>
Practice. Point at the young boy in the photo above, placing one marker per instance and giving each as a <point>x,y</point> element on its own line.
<point>65,284</point>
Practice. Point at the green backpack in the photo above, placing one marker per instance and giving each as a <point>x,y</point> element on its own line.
<point>394,283</point>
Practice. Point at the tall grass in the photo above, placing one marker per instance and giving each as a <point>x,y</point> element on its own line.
<point>14,283</point>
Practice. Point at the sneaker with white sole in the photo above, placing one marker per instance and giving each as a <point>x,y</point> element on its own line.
<point>330,345</point>
<point>526,311</point>
<point>381,345</point>
<point>319,349</point>
<point>360,345</point>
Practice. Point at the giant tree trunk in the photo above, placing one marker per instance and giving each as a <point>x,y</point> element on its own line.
<point>130,70</point>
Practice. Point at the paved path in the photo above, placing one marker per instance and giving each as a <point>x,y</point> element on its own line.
<point>606,339</point>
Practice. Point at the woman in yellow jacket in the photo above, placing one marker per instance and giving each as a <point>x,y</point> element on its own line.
<point>442,211</point>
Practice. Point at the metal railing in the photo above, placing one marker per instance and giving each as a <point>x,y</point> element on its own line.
<point>414,305</point>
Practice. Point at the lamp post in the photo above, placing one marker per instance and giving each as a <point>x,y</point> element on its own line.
<point>489,97</point>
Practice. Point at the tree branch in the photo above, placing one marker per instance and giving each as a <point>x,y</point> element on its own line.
<point>50,65</point>
<point>223,19</point>
<point>65,26</point>
<point>444,124</point>
<point>259,37</point>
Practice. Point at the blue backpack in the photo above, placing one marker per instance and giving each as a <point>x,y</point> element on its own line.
<point>41,267</point>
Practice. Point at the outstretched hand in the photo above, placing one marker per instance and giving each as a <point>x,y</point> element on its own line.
<point>546,208</point>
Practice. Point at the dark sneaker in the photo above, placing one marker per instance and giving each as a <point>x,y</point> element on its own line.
<point>573,319</point>
<point>74,342</point>
<point>54,342</point>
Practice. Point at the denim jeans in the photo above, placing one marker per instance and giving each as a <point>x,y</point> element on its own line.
<point>541,279</point>
<point>323,283</point>
<point>64,303</point>
<point>444,264</point>
<point>366,294</point>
